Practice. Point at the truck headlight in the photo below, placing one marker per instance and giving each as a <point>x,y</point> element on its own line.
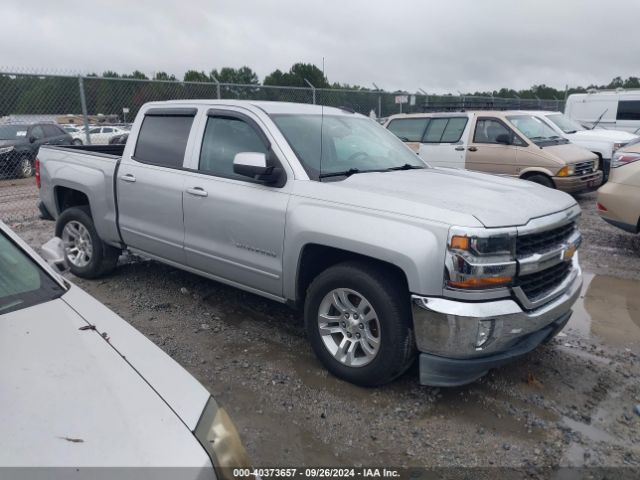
<point>478,259</point>
<point>566,171</point>
<point>618,145</point>
<point>218,435</point>
<point>5,150</point>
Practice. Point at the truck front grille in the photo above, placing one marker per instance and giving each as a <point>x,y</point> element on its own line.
<point>538,284</point>
<point>541,242</point>
<point>584,168</point>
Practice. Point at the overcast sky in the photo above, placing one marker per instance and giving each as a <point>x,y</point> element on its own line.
<point>440,46</point>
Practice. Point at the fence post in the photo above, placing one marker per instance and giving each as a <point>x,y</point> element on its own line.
<point>217,86</point>
<point>313,90</point>
<point>83,105</point>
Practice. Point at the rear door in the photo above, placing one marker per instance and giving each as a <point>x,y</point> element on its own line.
<point>442,143</point>
<point>234,226</point>
<point>150,184</point>
<point>493,147</point>
<point>55,135</point>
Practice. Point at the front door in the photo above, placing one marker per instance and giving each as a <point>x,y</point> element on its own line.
<point>493,147</point>
<point>234,226</point>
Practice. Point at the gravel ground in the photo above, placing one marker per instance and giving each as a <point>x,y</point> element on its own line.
<point>569,403</point>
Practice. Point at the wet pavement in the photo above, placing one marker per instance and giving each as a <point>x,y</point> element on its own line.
<point>569,403</point>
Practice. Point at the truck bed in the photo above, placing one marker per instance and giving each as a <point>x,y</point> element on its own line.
<point>111,150</point>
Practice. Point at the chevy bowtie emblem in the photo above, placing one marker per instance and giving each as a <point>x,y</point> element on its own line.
<point>569,252</point>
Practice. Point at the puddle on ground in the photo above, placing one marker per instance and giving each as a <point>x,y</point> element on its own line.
<point>609,309</point>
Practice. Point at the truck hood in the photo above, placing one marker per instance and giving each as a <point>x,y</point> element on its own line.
<point>70,399</point>
<point>603,135</point>
<point>447,195</point>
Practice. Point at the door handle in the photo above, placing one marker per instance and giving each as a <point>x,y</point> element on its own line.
<point>197,192</point>
<point>473,149</point>
<point>459,148</point>
<point>128,178</point>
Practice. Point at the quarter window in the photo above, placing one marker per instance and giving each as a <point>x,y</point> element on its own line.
<point>445,130</point>
<point>628,110</point>
<point>408,129</point>
<point>163,140</point>
<point>224,137</point>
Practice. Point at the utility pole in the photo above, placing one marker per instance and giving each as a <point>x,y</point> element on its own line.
<point>83,105</point>
<point>217,86</point>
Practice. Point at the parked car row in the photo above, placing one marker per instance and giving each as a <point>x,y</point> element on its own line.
<point>509,143</point>
<point>98,134</point>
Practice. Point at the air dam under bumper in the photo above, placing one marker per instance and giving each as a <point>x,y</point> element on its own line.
<point>447,333</point>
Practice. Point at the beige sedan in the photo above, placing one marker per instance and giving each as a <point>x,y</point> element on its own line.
<point>619,198</point>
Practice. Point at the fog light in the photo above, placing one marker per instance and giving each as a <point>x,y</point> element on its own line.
<point>485,331</point>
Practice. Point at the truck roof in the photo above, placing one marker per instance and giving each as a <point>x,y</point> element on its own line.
<point>266,106</point>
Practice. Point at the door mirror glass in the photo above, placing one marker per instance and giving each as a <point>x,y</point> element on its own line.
<point>504,138</point>
<point>32,139</point>
<point>255,165</point>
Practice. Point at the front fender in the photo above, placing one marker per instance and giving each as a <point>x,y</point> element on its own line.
<point>415,246</point>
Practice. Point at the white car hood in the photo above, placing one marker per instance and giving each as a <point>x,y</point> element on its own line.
<point>603,135</point>
<point>453,196</point>
<point>69,399</point>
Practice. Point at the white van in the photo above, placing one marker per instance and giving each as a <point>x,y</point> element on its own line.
<point>611,109</point>
<point>598,140</point>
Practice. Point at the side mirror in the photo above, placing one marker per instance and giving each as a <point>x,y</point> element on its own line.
<point>53,253</point>
<point>504,138</point>
<point>32,139</point>
<point>256,166</point>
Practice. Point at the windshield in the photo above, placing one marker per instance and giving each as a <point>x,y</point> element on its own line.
<point>13,132</point>
<point>565,124</point>
<point>345,143</point>
<point>22,282</point>
<point>535,129</point>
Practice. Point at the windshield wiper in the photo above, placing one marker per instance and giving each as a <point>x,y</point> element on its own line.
<point>345,173</point>
<point>406,166</point>
<point>352,171</point>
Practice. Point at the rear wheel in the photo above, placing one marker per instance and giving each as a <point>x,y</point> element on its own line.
<point>77,141</point>
<point>86,254</point>
<point>358,321</point>
<point>541,179</point>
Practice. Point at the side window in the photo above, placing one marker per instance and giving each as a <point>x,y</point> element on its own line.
<point>37,132</point>
<point>52,131</point>
<point>453,130</point>
<point>107,130</point>
<point>408,129</point>
<point>488,129</point>
<point>224,137</point>
<point>435,130</point>
<point>628,110</point>
<point>163,140</point>
<point>94,130</point>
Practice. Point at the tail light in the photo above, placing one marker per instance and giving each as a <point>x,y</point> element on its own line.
<point>37,173</point>
<point>624,158</point>
<point>601,207</point>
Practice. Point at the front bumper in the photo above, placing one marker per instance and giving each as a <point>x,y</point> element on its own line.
<point>584,183</point>
<point>447,333</point>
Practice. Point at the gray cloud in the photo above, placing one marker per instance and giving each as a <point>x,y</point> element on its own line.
<point>438,46</point>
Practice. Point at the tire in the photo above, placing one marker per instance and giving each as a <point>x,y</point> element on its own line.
<point>541,179</point>
<point>24,168</point>
<point>77,141</point>
<point>389,321</point>
<point>94,258</point>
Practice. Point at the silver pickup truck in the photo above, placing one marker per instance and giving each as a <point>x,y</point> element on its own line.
<point>325,210</point>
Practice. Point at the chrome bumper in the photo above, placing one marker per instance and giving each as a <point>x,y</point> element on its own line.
<point>450,328</point>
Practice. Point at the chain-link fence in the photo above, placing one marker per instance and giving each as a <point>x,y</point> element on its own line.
<point>40,109</point>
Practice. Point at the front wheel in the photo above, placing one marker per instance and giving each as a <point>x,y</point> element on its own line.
<point>541,179</point>
<point>25,168</point>
<point>358,320</point>
<point>86,254</point>
<point>77,141</point>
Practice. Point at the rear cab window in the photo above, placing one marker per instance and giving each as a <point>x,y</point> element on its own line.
<point>163,137</point>
<point>23,283</point>
<point>408,129</point>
